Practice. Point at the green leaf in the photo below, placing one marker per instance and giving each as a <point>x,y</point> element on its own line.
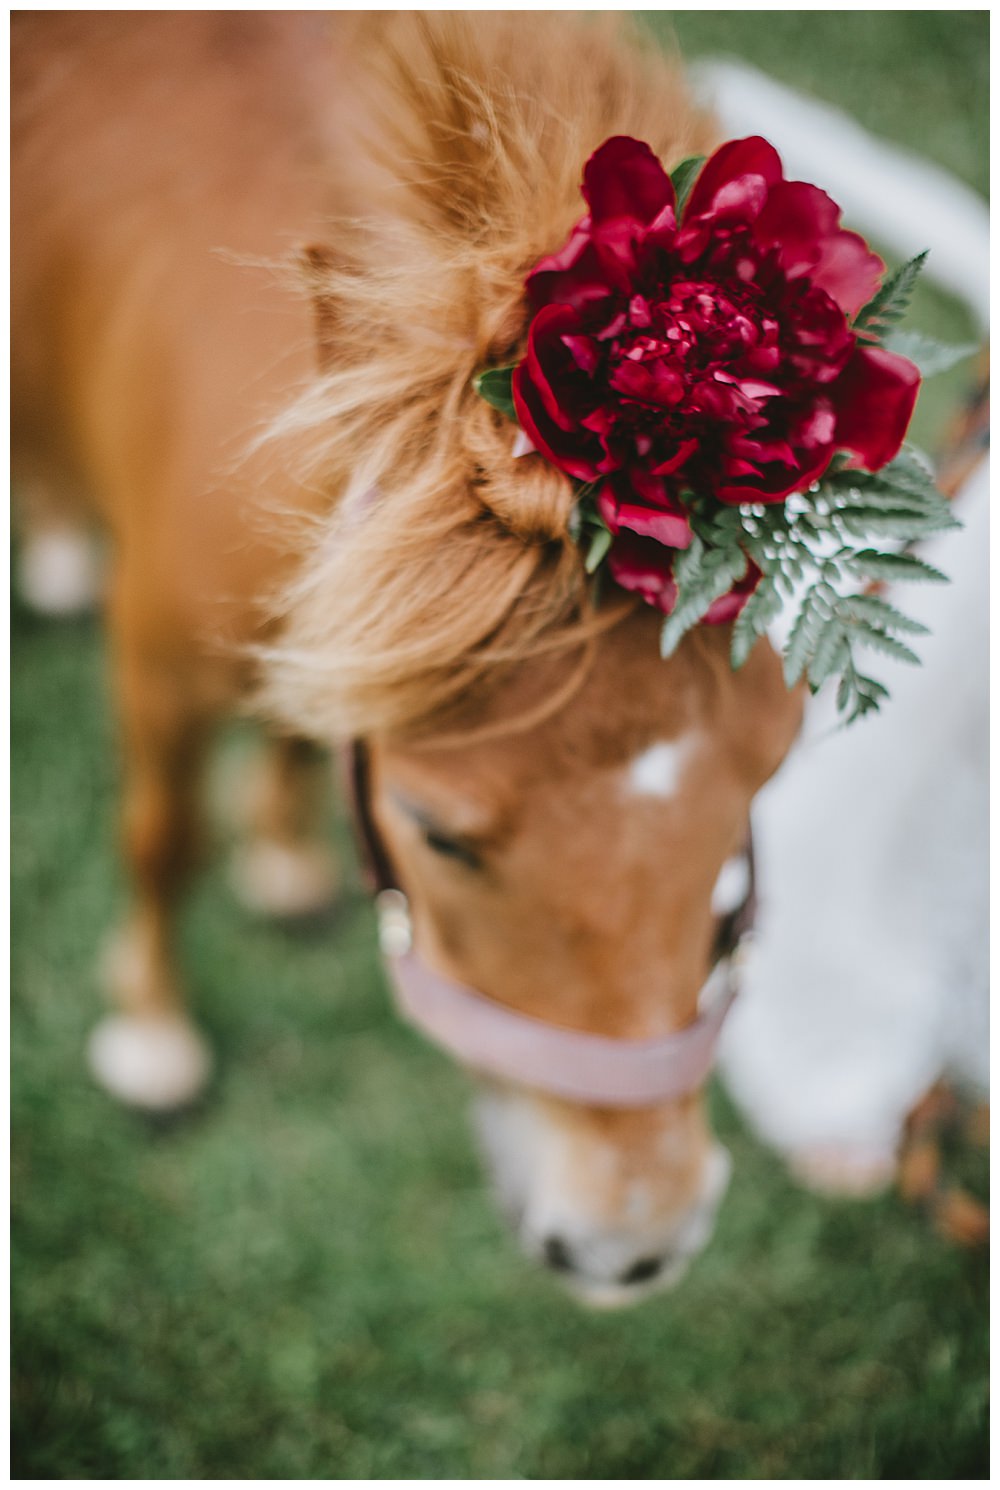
<point>702,576</point>
<point>753,620</point>
<point>901,523</point>
<point>495,386</point>
<point>857,694</point>
<point>912,464</point>
<point>874,608</point>
<point>831,652</point>
<point>600,542</point>
<point>684,177</point>
<point>855,487</point>
<point>906,475</point>
<point>802,637</point>
<point>871,686</point>
<point>890,303</point>
<point>884,498</point>
<point>845,690</point>
<point>868,694</point>
<point>719,529</point>
<point>930,356</point>
<point>806,528</point>
<point>872,636</point>
<point>873,565</point>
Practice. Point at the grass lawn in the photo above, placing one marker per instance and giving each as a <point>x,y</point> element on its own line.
<point>307,1278</point>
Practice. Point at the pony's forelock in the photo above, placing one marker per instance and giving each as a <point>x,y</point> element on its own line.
<point>442,555</point>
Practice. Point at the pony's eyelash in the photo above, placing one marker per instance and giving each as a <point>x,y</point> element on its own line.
<point>448,845</point>
<point>451,848</point>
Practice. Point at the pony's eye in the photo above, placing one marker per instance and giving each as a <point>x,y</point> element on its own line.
<point>450,848</point>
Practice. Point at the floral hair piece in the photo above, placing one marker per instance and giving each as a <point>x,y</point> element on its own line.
<point>715,363</point>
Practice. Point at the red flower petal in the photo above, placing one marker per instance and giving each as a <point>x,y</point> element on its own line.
<point>848,271</point>
<point>643,566</point>
<point>607,506</point>
<point>803,223</point>
<point>796,220</point>
<point>734,466</point>
<point>670,528</point>
<point>757,450</point>
<point>568,256</point>
<point>818,426</point>
<point>573,276</point>
<point>549,361</point>
<point>750,157</point>
<point>796,216</point>
<point>583,352</point>
<point>728,607</point>
<point>623,178</point>
<point>739,201</point>
<point>614,246</point>
<point>874,399</point>
<point>601,421</point>
<point>649,383</point>
<point>672,463</point>
<point>775,479</point>
<point>572,451</point>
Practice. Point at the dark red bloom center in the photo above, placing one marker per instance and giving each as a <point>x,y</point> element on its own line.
<point>699,324</point>
<point>698,354</point>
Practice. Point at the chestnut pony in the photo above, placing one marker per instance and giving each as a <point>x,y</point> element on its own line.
<point>258,260</point>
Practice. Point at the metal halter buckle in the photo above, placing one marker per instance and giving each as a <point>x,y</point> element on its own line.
<point>395,928</point>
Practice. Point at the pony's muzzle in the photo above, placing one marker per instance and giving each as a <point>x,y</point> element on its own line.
<point>612,1231</point>
<point>612,1269</point>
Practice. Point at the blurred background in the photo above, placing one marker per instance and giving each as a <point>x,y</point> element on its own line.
<point>307,1277</point>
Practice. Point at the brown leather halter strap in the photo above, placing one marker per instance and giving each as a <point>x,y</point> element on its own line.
<point>501,1042</point>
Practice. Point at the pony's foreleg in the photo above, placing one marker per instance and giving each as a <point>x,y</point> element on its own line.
<point>149,1053</point>
<point>285,868</point>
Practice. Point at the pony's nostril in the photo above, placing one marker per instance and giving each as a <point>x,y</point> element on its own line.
<point>557,1254</point>
<point>642,1271</point>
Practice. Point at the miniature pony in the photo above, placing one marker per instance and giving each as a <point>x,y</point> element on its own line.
<point>258,261</point>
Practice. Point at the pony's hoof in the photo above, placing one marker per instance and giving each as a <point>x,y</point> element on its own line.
<point>846,1170</point>
<point>159,1063</point>
<point>58,572</point>
<point>288,882</point>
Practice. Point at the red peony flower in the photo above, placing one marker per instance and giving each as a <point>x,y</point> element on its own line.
<point>711,357</point>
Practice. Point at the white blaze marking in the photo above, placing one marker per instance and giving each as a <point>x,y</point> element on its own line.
<point>657,771</point>
<point>731,886</point>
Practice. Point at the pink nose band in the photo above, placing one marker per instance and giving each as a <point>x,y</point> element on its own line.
<point>489,1038</point>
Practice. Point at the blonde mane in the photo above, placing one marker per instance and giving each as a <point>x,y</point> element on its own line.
<point>441,555</point>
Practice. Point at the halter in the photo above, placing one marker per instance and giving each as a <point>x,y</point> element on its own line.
<point>496,1041</point>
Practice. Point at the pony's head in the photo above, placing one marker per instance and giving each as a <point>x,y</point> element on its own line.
<point>577,870</point>
<point>558,802</point>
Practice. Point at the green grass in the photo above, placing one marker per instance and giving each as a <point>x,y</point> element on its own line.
<point>306,1278</point>
<point>920,78</point>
